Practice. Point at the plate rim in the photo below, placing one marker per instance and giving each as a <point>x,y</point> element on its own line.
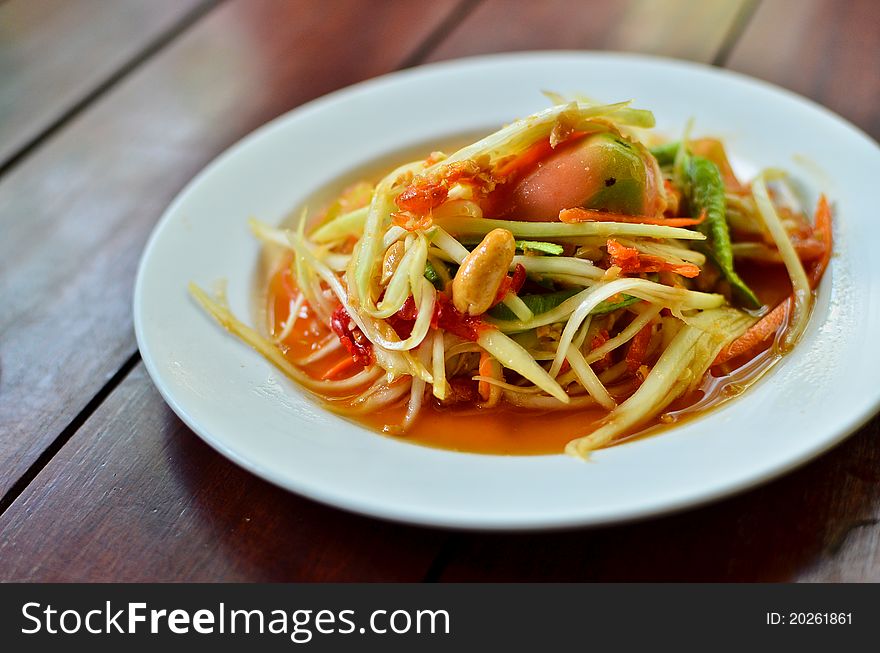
<point>760,474</point>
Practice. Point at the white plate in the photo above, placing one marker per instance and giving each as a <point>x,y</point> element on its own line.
<point>249,412</point>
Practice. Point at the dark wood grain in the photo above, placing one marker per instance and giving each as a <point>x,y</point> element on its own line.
<point>75,215</point>
<point>56,53</point>
<point>699,28</point>
<point>819,523</point>
<point>823,49</point>
<point>148,500</point>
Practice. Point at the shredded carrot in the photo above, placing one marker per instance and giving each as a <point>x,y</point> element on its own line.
<point>658,264</point>
<point>770,323</point>
<point>485,370</point>
<point>348,244</point>
<point>809,249</point>
<point>339,368</point>
<point>638,347</point>
<point>756,334</point>
<point>514,166</point>
<point>822,229</point>
<point>571,216</point>
<point>517,164</point>
<point>632,261</point>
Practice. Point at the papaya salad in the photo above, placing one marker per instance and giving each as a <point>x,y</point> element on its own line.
<point>564,283</point>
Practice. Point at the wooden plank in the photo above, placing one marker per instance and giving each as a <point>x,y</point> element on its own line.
<point>56,53</point>
<point>75,215</point>
<point>823,49</point>
<point>677,28</point>
<point>816,524</point>
<point>819,524</point>
<point>149,501</point>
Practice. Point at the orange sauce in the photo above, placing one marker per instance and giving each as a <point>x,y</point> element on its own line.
<point>507,429</point>
<point>501,430</point>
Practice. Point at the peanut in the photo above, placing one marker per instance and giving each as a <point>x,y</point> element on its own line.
<point>392,259</point>
<point>481,273</point>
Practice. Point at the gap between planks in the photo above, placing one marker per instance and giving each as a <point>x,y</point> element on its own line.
<point>112,80</point>
<point>439,34</point>
<point>737,28</point>
<point>58,443</point>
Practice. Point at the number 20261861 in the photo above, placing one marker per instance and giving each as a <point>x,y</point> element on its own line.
<point>809,618</point>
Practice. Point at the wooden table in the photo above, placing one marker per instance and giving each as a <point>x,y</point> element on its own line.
<point>108,107</point>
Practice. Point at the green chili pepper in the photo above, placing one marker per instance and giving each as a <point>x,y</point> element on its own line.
<point>705,191</point>
<point>432,276</point>
<point>665,154</point>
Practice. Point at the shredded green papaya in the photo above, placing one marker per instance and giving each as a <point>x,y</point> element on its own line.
<point>541,303</point>
<point>552,249</point>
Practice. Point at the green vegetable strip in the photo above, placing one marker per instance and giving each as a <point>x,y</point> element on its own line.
<point>432,276</point>
<point>803,298</point>
<point>592,298</point>
<point>648,314</point>
<point>539,246</point>
<point>402,283</point>
<point>519,135</point>
<point>647,290</point>
<point>588,379</point>
<point>393,361</point>
<point>512,356</point>
<point>538,304</point>
<point>670,253</point>
<point>517,307</point>
<point>449,245</point>
<point>219,310</point>
<point>680,367</point>
<point>649,399</point>
<point>665,154</point>
<point>622,116</point>
<point>368,252</point>
<point>348,224</point>
<point>440,271</point>
<point>438,368</point>
<point>541,265</point>
<point>609,307</point>
<point>706,193</point>
<point>463,227</point>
